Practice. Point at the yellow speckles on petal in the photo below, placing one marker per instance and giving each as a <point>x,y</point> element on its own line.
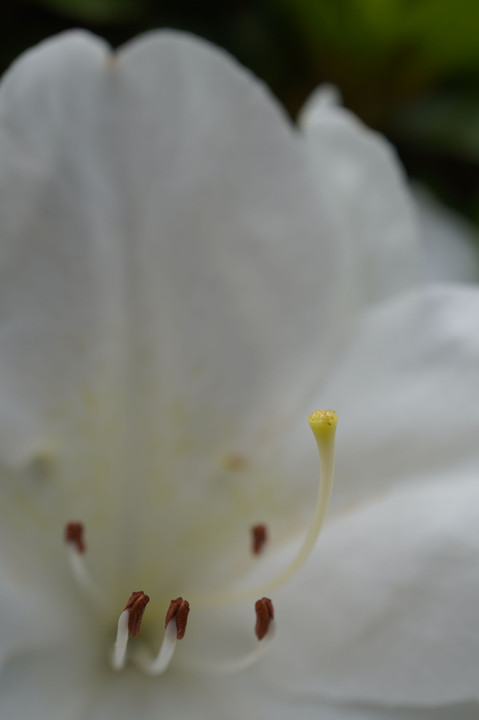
<point>42,460</point>
<point>235,462</point>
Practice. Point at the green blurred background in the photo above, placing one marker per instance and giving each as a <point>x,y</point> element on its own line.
<point>409,68</point>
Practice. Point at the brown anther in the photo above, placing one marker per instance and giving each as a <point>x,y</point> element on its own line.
<point>260,536</point>
<point>136,606</point>
<point>179,610</point>
<point>74,535</point>
<point>264,615</point>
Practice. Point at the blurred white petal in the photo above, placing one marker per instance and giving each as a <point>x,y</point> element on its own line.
<point>375,218</point>
<point>451,243</point>
<point>152,202</point>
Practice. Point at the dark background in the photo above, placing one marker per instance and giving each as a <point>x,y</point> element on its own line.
<point>409,68</point>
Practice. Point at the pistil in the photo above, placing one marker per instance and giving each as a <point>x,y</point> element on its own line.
<point>323,424</point>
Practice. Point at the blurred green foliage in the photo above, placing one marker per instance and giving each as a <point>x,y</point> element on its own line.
<point>97,11</point>
<point>410,68</point>
<point>386,50</point>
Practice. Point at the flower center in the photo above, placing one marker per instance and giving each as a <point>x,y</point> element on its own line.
<point>323,424</point>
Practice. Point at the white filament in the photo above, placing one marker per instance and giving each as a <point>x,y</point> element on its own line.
<point>157,665</point>
<point>83,578</point>
<point>232,665</point>
<point>121,643</point>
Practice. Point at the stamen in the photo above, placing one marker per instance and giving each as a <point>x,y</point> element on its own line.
<point>74,535</point>
<point>175,626</point>
<point>129,623</point>
<point>265,629</point>
<point>136,607</point>
<point>121,642</point>
<point>260,536</point>
<point>264,616</point>
<point>179,610</point>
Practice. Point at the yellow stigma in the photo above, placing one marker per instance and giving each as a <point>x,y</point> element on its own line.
<point>323,424</point>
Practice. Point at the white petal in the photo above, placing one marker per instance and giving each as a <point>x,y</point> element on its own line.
<point>70,680</point>
<point>177,696</point>
<point>50,651</point>
<point>240,697</point>
<point>404,393</point>
<point>47,684</point>
<point>386,610</point>
<point>369,712</point>
<point>17,611</point>
<point>166,262</point>
<point>451,243</point>
<point>60,685</point>
<point>61,293</point>
<point>375,218</point>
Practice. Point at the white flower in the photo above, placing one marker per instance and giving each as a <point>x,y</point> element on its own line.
<point>179,267</point>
